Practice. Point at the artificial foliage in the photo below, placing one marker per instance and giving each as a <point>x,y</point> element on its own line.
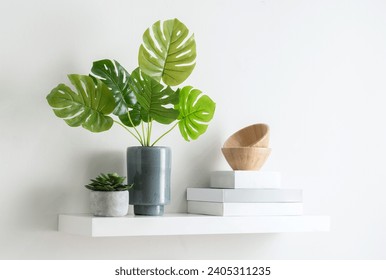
<point>149,94</point>
<point>109,182</point>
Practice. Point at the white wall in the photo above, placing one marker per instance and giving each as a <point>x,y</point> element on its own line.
<point>315,71</point>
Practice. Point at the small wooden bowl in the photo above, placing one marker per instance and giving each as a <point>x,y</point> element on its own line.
<point>246,158</point>
<point>256,135</point>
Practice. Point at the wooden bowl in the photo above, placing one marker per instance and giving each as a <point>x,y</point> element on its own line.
<point>256,135</point>
<point>246,158</point>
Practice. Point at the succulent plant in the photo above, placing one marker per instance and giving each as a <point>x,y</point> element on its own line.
<point>109,182</point>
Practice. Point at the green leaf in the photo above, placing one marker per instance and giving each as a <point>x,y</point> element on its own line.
<point>168,52</point>
<point>88,106</point>
<point>156,101</point>
<point>118,80</point>
<point>135,116</point>
<point>196,111</point>
<point>108,182</point>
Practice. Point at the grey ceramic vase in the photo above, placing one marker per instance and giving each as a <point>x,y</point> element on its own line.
<point>149,169</point>
<point>109,204</point>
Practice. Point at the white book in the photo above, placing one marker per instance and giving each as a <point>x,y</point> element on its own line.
<point>245,195</point>
<point>245,179</point>
<point>245,209</point>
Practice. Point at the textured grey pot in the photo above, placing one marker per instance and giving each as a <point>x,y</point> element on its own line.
<point>109,204</point>
<point>149,169</point>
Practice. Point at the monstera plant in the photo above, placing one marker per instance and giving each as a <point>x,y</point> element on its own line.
<point>111,95</point>
<point>151,93</point>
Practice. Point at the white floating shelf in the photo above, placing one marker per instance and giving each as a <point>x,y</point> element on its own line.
<point>187,224</point>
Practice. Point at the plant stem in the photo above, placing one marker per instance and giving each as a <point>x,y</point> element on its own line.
<point>149,123</point>
<point>135,136</point>
<point>151,129</point>
<point>144,134</point>
<point>159,138</point>
<point>139,135</point>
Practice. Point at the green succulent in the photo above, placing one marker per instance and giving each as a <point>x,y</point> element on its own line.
<point>108,183</point>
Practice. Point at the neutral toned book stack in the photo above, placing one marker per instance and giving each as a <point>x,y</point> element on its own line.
<point>245,193</point>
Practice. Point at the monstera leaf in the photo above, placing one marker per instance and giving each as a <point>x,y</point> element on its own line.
<point>156,102</point>
<point>167,52</point>
<point>196,110</point>
<point>88,106</point>
<point>132,117</point>
<point>118,80</point>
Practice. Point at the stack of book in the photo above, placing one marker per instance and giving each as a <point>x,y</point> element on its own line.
<point>245,193</point>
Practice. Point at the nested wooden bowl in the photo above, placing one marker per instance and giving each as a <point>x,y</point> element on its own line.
<point>246,158</point>
<point>256,135</point>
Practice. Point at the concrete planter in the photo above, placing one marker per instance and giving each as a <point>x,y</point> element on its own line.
<point>149,168</point>
<point>109,204</point>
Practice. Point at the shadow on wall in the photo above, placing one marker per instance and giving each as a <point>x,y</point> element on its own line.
<point>192,169</point>
<point>106,162</point>
<point>46,199</point>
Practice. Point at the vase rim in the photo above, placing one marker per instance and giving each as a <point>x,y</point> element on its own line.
<point>109,191</point>
<point>149,147</point>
